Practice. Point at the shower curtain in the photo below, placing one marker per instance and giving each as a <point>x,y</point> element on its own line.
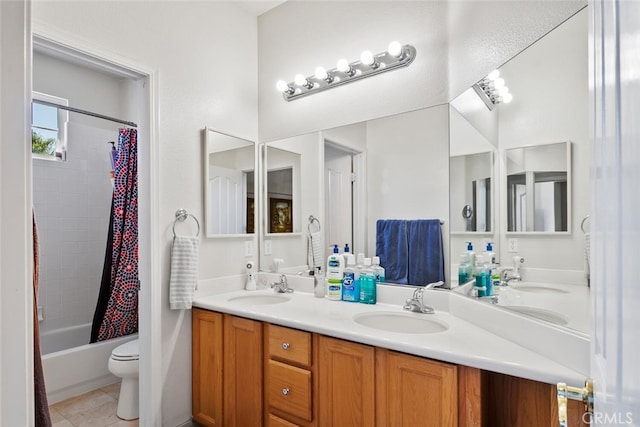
<point>117,309</point>
<point>42,416</point>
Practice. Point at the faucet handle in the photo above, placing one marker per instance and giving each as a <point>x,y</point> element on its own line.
<point>417,293</point>
<point>433,285</point>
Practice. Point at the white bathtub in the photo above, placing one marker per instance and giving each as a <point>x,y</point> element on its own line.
<point>79,368</point>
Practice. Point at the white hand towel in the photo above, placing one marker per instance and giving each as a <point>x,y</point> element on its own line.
<point>315,258</point>
<point>184,272</point>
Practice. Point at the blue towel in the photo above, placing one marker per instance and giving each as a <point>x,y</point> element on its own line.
<point>393,249</point>
<point>426,255</point>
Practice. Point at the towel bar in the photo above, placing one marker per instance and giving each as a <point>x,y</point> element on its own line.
<point>182,215</point>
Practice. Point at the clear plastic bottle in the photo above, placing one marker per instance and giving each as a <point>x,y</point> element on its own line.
<point>335,271</point>
<point>464,270</point>
<point>378,270</point>
<point>351,281</point>
<point>368,294</point>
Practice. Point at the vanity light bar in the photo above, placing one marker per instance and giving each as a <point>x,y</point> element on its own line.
<point>394,57</point>
<point>492,90</point>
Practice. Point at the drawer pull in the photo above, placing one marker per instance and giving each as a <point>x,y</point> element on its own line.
<point>285,391</point>
<point>285,346</point>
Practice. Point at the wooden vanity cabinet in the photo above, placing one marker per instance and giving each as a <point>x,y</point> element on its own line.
<point>414,391</point>
<point>347,383</point>
<point>243,372</point>
<point>207,360</point>
<point>226,370</point>
<point>290,377</point>
<point>249,373</point>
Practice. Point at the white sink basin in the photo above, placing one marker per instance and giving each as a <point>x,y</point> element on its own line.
<point>540,313</point>
<point>537,289</point>
<point>406,323</point>
<point>259,299</point>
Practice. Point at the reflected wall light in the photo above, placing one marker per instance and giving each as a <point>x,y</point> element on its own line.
<point>394,57</point>
<point>492,90</point>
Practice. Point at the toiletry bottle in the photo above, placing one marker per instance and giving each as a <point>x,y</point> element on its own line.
<point>335,271</point>
<point>464,269</point>
<point>471,257</point>
<point>368,294</point>
<point>495,280</point>
<point>351,281</point>
<point>319,283</point>
<point>488,283</point>
<point>346,253</point>
<point>378,270</point>
<point>489,254</point>
<point>480,279</point>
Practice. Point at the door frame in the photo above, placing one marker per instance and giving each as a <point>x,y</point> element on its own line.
<point>149,297</point>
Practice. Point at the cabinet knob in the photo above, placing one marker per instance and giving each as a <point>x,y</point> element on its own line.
<point>285,346</point>
<point>285,391</point>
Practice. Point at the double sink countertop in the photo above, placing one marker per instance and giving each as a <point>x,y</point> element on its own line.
<point>462,330</point>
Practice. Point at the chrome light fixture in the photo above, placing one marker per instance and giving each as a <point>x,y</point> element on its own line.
<point>492,90</point>
<point>394,57</point>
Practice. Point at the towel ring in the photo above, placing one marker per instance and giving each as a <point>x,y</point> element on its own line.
<point>182,215</point>
<point>586,218</point>
<point>313,219</point>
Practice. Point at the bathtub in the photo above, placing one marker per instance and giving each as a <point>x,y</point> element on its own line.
<point>71,366</point>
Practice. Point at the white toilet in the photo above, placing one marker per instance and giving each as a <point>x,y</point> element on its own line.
<point>123,363</point>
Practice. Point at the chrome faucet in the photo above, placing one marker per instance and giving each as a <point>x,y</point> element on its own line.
<point>282,286</point>
<point>416,303</point>
<point>508,274</point>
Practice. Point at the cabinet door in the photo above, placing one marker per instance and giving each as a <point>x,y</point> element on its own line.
<point>243,369</point>
<point>412,391</point>
<point>207,367</point>
<point>346,374</point>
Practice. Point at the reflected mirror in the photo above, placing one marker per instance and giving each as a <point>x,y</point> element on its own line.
<point>538,188</point>
<point>282,186</point>
<point>229,185</point>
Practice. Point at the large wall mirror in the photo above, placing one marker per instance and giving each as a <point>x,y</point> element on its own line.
<point>229,185</point>
<point>540,176</point>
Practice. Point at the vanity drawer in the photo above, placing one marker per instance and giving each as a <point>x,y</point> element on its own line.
<point>290,345</point>
<point>289,389</point>
<point>275,421</point>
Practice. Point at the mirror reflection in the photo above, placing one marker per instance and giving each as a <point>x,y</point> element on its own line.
<point>538,188</point>
<point>229,164</point>
<point>281,187</point>
<point>354,175</point>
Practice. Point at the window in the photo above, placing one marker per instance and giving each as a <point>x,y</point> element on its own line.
<point>48,128</point>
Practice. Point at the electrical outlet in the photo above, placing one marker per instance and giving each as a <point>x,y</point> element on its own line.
<point>512,245</point>
<point>267,247</point>
<point>248,248</point>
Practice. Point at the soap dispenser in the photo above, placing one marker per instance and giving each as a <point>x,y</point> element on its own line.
<point>490,256</point>
<point>471,258</point>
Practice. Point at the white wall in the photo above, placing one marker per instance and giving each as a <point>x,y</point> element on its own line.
<point>457,44</point>
<point>197,87</point>
<point>16,294</point>
<point>72,199</point>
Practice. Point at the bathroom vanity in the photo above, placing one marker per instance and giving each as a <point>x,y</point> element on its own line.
<point>261,358</point>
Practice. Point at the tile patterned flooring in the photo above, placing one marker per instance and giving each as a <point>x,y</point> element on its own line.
<point>94,409</point>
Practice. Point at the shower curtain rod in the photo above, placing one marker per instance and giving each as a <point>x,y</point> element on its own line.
<point>87,113</point>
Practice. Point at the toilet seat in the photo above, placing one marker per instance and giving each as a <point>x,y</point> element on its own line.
<point>126,352</point>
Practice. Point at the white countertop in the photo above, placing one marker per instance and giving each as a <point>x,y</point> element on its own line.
<point>498,348</point>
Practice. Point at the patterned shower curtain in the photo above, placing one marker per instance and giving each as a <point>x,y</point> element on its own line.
<point>117,309</point>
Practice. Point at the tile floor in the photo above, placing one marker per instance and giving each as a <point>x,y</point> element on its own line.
<point>94,409</point>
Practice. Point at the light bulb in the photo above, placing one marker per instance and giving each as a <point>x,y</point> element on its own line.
<point>321,73</point>
<point>394,49</point>
<point>507,98</point>
<point>366,57</point>
<point>343,65</point>
<point>300,80</point>
<point>498,83</point>
<point>282,86</point>
<point>503,91</point>
<point>493,75</point>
